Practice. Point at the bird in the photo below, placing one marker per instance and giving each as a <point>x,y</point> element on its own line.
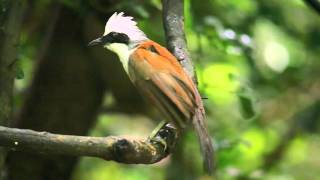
<point>159,77</point>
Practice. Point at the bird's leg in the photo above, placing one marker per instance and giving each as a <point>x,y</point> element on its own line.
<point>165,134</point>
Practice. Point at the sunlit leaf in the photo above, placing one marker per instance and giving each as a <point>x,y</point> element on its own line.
<point>217,83</point>
<point>297,151</point>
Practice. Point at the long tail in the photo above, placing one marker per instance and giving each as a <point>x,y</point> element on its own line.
<point>204,138</point>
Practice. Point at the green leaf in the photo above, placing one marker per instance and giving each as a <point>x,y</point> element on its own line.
<point>246,100</point>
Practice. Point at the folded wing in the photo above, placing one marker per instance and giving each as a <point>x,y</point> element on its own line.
<point>156,73</point>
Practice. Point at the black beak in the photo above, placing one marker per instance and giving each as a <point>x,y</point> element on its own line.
<point>98,41</point>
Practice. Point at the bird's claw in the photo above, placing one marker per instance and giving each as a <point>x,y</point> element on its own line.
<point>159,140</point>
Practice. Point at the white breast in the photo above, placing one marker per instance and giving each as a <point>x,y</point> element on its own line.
<point>123,52</point>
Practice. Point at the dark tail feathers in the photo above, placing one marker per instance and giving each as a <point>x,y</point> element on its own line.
<point>205,141</point>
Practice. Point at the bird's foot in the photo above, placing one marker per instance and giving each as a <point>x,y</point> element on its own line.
<point>165,135</point>
<point>159,140</point>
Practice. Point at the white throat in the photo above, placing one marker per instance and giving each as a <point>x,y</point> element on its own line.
<point>123,51</point>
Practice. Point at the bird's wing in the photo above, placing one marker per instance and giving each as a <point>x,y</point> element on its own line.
<point>157,74</point>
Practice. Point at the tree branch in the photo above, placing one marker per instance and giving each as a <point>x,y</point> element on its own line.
<point>10,21</point>
<point>314,4</point>
<point>173,21</point>
<point>121,149</point>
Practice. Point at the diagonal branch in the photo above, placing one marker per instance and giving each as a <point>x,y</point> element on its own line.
<point>314,4</point>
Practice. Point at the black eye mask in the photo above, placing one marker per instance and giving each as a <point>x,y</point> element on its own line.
<point>115,37</point>
<point>112,37</point>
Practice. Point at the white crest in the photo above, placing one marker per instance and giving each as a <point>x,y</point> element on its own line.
<point>124,24</point>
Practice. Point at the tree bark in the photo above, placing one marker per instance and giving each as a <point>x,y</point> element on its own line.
<point>10,22</point>
<point>173,20</point>
<point>121,149</point>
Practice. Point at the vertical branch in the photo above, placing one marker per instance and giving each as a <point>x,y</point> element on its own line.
<point>173,20</point>
<point>10,22</point>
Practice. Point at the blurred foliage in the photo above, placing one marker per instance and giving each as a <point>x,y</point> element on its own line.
<point>258,65</point>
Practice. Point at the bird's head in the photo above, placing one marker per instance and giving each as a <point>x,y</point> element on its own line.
<point>120,32</point>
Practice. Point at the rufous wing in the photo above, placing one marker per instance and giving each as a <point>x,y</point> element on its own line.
<point>161,79</point>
